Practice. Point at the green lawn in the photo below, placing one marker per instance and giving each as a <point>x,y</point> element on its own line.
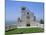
<point>24,30</point>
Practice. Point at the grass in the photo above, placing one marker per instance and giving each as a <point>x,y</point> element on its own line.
<point>24,30</point>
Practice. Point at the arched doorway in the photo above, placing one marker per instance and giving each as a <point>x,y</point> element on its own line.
<point>27,24</point>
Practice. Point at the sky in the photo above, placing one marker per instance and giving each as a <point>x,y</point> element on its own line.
<point>13,9</point>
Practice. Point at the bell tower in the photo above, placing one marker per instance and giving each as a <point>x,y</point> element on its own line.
<point>23,13</point>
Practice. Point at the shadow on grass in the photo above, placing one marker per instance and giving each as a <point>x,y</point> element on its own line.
<point>24,30</point>
<point>10,30</point>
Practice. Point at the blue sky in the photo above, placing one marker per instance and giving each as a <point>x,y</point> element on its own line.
<point>13,9</point>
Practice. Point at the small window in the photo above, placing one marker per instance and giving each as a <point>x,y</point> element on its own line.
<point>27,12</point>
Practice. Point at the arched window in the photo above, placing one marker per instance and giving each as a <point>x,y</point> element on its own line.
<point>34,18</point>
<point>20,20</point>
<point>23,8</point>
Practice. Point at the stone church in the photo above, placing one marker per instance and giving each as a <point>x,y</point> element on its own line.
<point>27,19</point>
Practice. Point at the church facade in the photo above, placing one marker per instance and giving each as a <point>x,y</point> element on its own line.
<point>27,19</point>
